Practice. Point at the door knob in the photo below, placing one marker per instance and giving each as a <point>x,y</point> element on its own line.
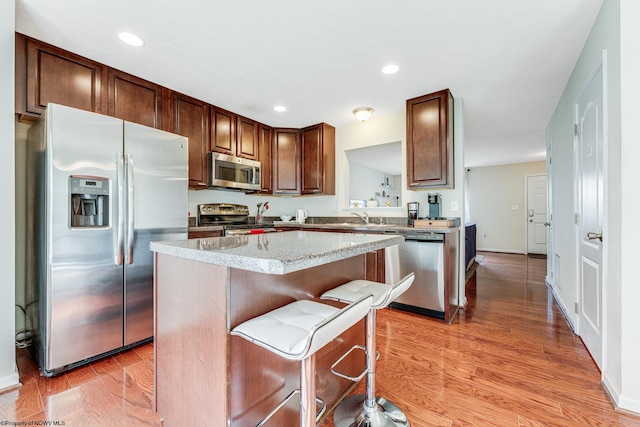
<point>530,212</point>
<point>547,224</point>
<point>591,235</point>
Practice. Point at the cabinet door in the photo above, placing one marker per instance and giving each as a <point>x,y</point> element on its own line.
<point>286,161</point>
<point>134,99</point>
<point>58,76</point>
<point>430,141</point>
<point>191,119</point>
<point>265,134</point>
<point>223,131</point>
<point>318,159</point>
<point>247,138</point>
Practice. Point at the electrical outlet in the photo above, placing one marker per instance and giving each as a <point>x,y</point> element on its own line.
<point>454,205</point>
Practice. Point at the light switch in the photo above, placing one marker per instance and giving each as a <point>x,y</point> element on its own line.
<point>454,205</point>
<point>514,207</point>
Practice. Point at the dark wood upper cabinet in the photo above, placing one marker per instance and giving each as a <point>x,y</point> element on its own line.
<point>286,161</point>
<point>247,144</point>
<point>234,135</point>
<point>319,159</point>
<point>265,137</point>
<point>430,141</point>
<point>134,99</point>
<point>223,131</point>
<point>191,119</point>
<point>47,74</point>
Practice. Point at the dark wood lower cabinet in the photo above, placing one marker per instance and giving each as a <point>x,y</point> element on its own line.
<point>204,234</point>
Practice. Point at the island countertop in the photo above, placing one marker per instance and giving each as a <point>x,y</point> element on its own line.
<point>276,253</point>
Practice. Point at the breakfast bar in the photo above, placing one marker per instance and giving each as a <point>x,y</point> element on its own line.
<point>206,287</point>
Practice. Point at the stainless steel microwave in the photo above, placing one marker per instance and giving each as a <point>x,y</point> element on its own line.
<point>233,173</point>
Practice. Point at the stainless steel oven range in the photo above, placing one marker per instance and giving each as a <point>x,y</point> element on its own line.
<point>234,219</point>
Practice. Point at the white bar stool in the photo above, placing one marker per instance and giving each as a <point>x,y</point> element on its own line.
<point>296,332</point>
<point>368,410</point>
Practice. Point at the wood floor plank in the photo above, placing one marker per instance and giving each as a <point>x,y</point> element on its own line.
<point>509,359</point>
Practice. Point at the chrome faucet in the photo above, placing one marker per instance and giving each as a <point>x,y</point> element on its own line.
<point>364,216</point>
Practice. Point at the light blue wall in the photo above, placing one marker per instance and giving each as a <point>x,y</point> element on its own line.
<point>616,21</point>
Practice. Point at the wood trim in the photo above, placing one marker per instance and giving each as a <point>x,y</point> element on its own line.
<point>21,77</point>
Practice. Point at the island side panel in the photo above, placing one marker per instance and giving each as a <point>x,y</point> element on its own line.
<point>259,379</point>
<point>191,342</point>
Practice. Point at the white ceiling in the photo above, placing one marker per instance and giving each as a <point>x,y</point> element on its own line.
<point>508,59</point>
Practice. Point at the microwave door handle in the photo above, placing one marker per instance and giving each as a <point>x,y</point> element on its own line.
<point>253,176</point>
<point>119,249</point>
<point>130,209</point>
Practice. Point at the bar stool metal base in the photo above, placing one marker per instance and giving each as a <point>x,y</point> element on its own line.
<point>352,412</point>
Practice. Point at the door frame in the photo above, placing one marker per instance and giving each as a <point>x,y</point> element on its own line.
<point>601,63</point>
<point>551,251</point>
<point>526,211</point>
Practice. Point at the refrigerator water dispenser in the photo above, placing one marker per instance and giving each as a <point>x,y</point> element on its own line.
<point>89,201</point>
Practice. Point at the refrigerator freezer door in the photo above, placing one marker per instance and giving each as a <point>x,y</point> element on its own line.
<point>157,188</point>
<point>81,295</point>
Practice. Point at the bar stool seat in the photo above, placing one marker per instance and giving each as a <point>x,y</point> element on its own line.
<point>296,332</point>
<point>368,410</point>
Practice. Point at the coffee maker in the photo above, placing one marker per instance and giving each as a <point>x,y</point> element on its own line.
<point>434,205</point>
<point>413,208</point>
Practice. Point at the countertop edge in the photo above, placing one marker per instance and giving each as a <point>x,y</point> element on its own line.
<point>364,228</point>
<point>270,266</point>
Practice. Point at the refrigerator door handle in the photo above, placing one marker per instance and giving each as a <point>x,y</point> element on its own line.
<point>130,231</point>
<point>119,249</point>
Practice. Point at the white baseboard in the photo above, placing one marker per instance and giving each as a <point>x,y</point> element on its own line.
<point>462,303</point>
<point>504,251</point>
<point>9,381</point>
<point>621,403</point>
<point>563,309</point>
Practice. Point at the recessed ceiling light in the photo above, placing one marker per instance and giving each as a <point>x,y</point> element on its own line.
<point>280,108</point>
<point>131,39</point>
<point>390,69</point>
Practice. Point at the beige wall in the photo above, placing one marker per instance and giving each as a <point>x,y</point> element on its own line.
<point>493,191</point>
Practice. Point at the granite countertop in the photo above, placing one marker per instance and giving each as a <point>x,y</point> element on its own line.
<point>276,253</point>
<point>361,227</point>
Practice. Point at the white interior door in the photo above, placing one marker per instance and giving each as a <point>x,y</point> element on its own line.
<point>589,146</point>
<point>537,214</point>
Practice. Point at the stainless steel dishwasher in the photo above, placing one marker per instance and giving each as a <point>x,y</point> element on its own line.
<point>423,254</point>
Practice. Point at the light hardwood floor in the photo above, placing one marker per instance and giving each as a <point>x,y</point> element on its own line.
<point>508,359</point>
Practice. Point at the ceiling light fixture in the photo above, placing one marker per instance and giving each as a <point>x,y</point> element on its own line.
<point>130,39</point>
<point>280,108</point>
<point>363,113</point>
<point>390,69</point>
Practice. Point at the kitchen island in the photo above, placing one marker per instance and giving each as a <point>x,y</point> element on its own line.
<point>206,287</point>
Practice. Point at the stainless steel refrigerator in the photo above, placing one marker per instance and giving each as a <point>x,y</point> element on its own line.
<point>100,190</point>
